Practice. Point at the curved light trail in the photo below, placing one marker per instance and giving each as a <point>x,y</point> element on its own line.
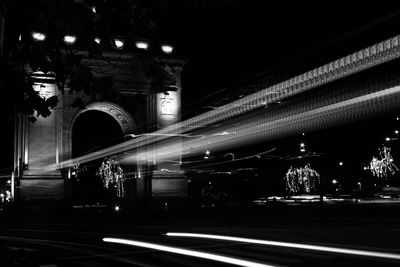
<point>291,245</point>
<point>186,252</point>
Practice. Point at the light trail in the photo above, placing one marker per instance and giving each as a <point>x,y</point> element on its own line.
<point>279,125</point>
<point>292,245</point>
<point>364,59</point>
<point>186,252</point>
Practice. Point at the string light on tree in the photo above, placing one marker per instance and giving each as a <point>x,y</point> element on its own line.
<point>302,180</point>
<point>383,165</point>
<point>112,175</point>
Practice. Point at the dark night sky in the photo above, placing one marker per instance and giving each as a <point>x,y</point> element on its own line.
<point>227,41</point>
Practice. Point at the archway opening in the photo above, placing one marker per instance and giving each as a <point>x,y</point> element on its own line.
<point>92,130</point>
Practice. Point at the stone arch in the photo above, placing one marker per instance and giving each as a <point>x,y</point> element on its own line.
<point>123,118</point>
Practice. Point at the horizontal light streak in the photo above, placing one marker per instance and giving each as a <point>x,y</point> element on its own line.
<point>186,252</point>
<point>269,127</point>
<point>291,245</point>
<point>256,129</point>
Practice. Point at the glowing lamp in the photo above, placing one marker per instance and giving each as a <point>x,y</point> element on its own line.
<point>69,39</point>
<point>118,43</point>
<point>37,36</point>
<point>167,49</point>
<point>142,45</point>
<point>97,40</point>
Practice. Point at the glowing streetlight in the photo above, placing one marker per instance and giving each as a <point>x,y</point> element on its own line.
<point>334,181</point>
<point>142,45</point>
<point>302,147</point>
<point>118,43</point>
<point>387,139</point>
<point>97,40</point>
<point>167,49</point>
<point>340,163</point>
<point>70,39</point>
<point>37,36</point>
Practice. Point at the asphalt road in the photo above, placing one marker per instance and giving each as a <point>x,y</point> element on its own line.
<point>78,241</point>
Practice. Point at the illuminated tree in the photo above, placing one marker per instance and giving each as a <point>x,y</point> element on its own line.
<point>383,165</point>
<point>301,180</point>
<point>112,175</point>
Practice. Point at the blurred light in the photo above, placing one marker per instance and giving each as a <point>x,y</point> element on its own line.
<point>8,181</point>
<point>334,181</point>
<point>118,43</point>
<point>142,45</point>
<point>167,49</point>
<point>69,39</point>
<point>116,208</point>
<point>397,118</point>
<point>292,245</point>
<point>97,40</point>
<point>359,183</point>
<point>186,252</point>
<point>302,145</point>
<point>94,9</point>
<point>38,36</point>
<point>365,168</point>
<point>20,37</point>
<point>396,132</point>
<point>387,138</point>
<point>341,163</point>
<point>303,134</point>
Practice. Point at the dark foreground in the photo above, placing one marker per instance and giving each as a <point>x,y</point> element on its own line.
<point>76,238</point>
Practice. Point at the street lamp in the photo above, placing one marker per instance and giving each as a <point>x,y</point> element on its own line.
<point>70,39</point>
<point>167,49</point>
<point>37,36</point>
<point>302,147</point>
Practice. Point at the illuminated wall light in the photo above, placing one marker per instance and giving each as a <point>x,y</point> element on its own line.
<point>70,39</point>
<point>167,49</point>
<point>118,43</point>
<point>38,36</point>
<point>97,40</point>
<point>142,45</point>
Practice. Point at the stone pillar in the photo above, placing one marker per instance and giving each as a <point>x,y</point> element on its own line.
<point>38,145</point>
<point>168,179</point>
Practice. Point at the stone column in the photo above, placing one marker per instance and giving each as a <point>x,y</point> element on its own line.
<point>38,146</point>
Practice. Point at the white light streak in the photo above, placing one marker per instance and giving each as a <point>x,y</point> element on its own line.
<point>187,252</point>
<point>292,245</point>
<point>255,130</point>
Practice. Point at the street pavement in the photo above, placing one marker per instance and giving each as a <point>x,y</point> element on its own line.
<point>77,239</point>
